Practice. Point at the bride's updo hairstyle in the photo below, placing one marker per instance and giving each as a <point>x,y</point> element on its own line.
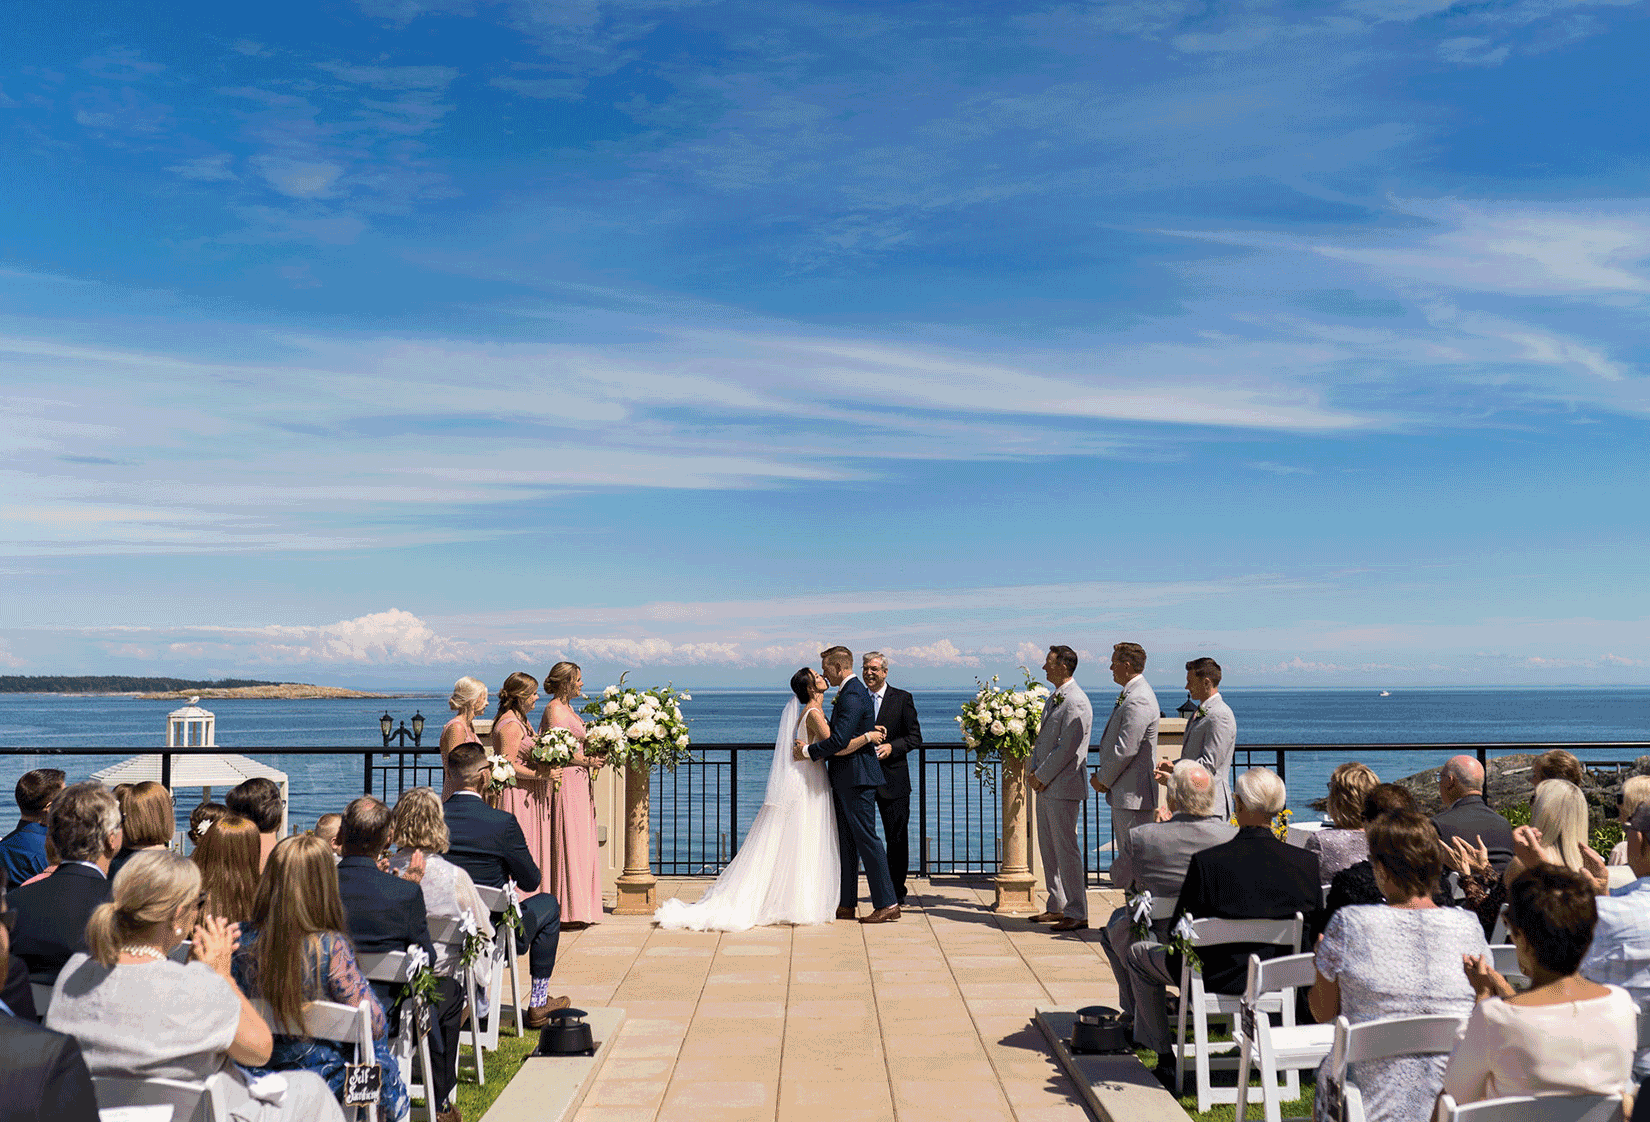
<point>466,692</point>
<point>802,684</point>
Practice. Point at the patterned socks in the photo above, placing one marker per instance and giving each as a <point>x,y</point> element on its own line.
<point>541,992</point>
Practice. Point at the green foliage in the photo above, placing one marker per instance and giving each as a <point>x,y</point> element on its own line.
<point>1001,724</point>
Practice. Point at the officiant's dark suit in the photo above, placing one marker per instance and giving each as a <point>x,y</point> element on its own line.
<point>898,714</point>
<point>855,778</point>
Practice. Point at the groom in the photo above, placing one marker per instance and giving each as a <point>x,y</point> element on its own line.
<point>855,778</point>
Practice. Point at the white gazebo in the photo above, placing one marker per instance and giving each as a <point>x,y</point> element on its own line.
<point>194,728</point>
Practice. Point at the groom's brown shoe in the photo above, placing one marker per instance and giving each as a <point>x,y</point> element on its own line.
<point>846,913</point>
<point>1048,917</point>
<point>883,915</point>
<point>1071,925</point>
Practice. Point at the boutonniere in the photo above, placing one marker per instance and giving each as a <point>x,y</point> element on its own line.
<point>1121,694</point>
<point>1201,712</point>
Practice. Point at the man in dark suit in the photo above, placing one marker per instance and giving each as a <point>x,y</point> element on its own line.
<point>1467,815</point>
<point>386,914</point>
<point>489,845</point>
<point>42,1075</point>
<point>1253,876</point>
<point>895,712</point>
<point>855,777</point>
<point>84,828</point>
<point>23,851</point>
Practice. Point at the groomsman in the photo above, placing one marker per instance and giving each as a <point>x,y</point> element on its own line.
<point>1211,735</point>
<point>1128,756</point>
<point>1059,763</point>
<point>896,712</point>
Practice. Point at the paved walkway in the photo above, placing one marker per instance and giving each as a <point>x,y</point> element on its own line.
<point>927,1018</point>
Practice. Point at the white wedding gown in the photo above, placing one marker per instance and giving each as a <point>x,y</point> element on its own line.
<point>787,870</point>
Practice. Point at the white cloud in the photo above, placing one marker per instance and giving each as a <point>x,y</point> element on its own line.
<point>941,652</point>
<point>1472,52</point>
<point>300,179</point>
<point>206,169</point>
<point>7,657</point>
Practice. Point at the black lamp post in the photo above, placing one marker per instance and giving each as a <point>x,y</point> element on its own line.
<point>400,735</point>
<point>1187,708</point>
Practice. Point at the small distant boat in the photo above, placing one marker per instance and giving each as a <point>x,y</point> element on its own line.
<point>1384,693</point>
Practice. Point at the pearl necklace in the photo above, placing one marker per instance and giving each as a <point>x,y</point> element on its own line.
<point>145,952</point>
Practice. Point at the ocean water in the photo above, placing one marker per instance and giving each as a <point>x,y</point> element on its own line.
<point>1324,717</point>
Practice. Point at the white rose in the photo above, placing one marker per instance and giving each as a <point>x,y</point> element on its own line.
<point>611,691</point>
<point>610,708</point>
<point>630,701</point>
<point>682,740</point>
<point>1016,727</point>
<point>998,728</point>
<point>687,697</point>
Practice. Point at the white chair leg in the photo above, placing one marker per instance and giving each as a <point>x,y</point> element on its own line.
<point>1200,1059</point>
<point>1244,1049</point>
<point>515,986</point>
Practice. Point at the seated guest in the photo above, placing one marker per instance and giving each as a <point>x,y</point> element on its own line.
<point>23,851</point>
<point>15,991</point>
<point>145,822</point>
<point>1342,845</point>
<point>1398,959</point>
<point>1620,951</point>
<point>1634,794</point>
<point>84,828</point>
<point>1356,883</point>
<point>227,857</point>
<point>42,1075</point>
<point>326,828</point>
<point>489,845</point>
<point>258,800</point>
<point>201,819</point>
<point>1162,850</point>
<point>1557,764</point>
<point>420,831</point>
<point>1559,816</point>
<point>136,1013</point>
<point>1565,1035</point>
<point>384,912</point>
<point>295,951</point>
<point>1467,815</point>
<point>1253,876</point>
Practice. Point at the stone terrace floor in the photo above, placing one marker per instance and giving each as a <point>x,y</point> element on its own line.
<point>925,1019</point>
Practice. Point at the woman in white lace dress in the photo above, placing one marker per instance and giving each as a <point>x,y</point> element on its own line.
<point>1397,959</point>
<point>787,869</point>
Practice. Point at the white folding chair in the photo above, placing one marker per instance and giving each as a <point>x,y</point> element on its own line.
<point>162,1100</point>
<point>1498,933</point>
<point>411,1041</point>
<point>446,931</point>
<point>1198,1005</point>
<point>1532,1108</point>
<point>1381,1040</point>
<point>505,957</point>
<point>344,1024</point>
<point>1286,1048</point>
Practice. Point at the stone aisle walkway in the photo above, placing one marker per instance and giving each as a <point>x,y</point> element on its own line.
<point>924,1019</point>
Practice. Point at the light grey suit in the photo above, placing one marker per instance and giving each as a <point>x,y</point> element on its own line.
<point>1128,759</point>
<point>1060,760</point>
<point>1211,740</point>
<point>1162,853</point>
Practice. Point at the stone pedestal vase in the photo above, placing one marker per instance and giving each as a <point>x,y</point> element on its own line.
<point>1016,886</point>
<point>638,888</point>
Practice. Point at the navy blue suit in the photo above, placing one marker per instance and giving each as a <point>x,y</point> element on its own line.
<point>51,918</point>
<point>489,845</point>
<point>855,778</point>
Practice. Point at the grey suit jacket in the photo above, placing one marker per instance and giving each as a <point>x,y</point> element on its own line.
<point>1163,850</point>
<point>1128,749</point>
<point>1210,740</point>
<point>1061,755</point>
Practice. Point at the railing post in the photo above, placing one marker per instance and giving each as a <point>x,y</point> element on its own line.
<point>166,770</point>
<point>1483,758</point>
<point>366,773</point>
<point>1283,764</point>
<point>733,800</point>
<point>922,808</point>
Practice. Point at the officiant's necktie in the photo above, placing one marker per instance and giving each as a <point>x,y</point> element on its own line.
<point>876,705</point>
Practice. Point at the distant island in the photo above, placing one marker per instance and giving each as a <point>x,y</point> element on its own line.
<point>172,689</point>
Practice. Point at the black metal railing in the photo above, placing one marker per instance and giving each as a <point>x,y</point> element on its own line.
<point>702,810</point>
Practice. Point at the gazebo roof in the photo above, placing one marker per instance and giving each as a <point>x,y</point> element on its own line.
<point>190,712</point>
<point>191,770</point>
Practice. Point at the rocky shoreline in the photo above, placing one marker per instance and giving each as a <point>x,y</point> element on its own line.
<point>287,691</point>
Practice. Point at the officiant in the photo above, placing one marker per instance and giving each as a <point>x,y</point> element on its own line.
<point>897,712</point>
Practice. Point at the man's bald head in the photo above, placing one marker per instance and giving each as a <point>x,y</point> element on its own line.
<point>1191,789</point>
<point>1463,775</point>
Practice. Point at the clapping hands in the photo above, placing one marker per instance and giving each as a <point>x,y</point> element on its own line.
<point>1482,976</point>
<point>214,943</point>
<point>1530,851</point>
<point>1466,858</point>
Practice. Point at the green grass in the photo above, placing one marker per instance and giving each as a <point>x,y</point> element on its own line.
<point>502,1065</point>
<point>1227,1112</point>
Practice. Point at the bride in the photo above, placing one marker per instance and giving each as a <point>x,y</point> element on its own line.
<point>788,870</point>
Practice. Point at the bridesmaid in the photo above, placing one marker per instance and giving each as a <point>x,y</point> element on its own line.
<point>575,869</point>
<point>529,799</point>
<point>469,701</point>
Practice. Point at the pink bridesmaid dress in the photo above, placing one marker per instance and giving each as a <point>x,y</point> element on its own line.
<point>467,732</point>
<point>529,799</point>
<point>575,868</point>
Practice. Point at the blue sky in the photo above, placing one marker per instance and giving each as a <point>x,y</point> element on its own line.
<point>384,341</point>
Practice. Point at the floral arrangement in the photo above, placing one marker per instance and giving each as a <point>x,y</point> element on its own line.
<point>421,984</point>
<point>1140,913</point>
<point>512,909</point>
<point>639,727</point>
<point>501,773</point>
<point>1180,942</point>
<point>1280,823</point>
<point>554,749</point>
<point>476,945</point>
<point>1001,724</point>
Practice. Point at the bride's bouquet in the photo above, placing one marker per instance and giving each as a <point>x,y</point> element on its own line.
<point>554,749</point>
<point>1001,724</point>
<point>639,728</point>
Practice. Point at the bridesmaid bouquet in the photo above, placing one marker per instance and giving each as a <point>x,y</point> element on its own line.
<point>1001,724</point>
<point>605,740</point>
<point>640,728</point>
<point>501,773</point>
<point>554,749</point>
